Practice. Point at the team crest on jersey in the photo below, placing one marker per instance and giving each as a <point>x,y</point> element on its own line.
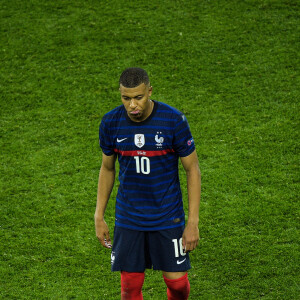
<point>159,139</point>
<point>139,140</point>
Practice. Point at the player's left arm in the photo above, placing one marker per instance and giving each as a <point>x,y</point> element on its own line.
<point>190,237</point>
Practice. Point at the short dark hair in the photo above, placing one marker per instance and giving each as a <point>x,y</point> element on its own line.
<point>132,77</point>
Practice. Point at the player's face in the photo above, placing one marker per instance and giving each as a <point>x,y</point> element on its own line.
<point>137,101</point>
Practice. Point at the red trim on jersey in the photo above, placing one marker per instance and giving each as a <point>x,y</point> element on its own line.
<point>144,152</point>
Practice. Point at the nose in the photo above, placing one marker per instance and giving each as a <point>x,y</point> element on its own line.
<point>132,103</point>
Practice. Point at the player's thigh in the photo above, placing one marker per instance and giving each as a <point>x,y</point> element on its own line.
<point>128,252</point>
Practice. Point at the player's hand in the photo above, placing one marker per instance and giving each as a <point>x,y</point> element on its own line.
<point>102,233</point>
<point>190,237</point>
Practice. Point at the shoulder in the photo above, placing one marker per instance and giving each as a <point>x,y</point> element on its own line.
<point>114,114</point>
<point>176,117</point>
<point>169,110</point>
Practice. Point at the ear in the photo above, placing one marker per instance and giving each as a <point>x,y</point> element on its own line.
<point>150,91</point>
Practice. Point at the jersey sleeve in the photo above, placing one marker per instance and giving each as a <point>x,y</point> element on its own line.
<point>105,140</point>
<point>183,142</point>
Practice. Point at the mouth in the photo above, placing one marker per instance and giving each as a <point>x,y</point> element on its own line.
<point>135,112</point>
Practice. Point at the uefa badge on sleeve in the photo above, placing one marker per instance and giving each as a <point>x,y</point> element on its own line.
<point>190,142</point>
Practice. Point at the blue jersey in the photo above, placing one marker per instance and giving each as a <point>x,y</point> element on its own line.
<point>149,196</point>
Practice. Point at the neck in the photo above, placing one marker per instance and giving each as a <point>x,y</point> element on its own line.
<point>150,109</point>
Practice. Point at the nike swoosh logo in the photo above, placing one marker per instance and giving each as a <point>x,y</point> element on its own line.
<point>180,262</point>
<point>121,140</point>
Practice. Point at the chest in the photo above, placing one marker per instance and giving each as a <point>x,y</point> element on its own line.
<point>142,139</point>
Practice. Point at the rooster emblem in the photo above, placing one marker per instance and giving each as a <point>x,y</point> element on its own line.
<point>159,139</point>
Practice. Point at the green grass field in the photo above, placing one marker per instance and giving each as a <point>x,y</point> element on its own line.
<point>231,66</point>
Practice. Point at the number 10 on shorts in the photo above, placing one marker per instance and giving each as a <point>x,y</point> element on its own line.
<point>178,247</point>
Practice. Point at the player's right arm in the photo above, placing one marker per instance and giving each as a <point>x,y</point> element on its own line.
<point>105,185</point>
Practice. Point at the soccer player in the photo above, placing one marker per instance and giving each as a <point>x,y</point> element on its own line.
<point>148,138</point>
